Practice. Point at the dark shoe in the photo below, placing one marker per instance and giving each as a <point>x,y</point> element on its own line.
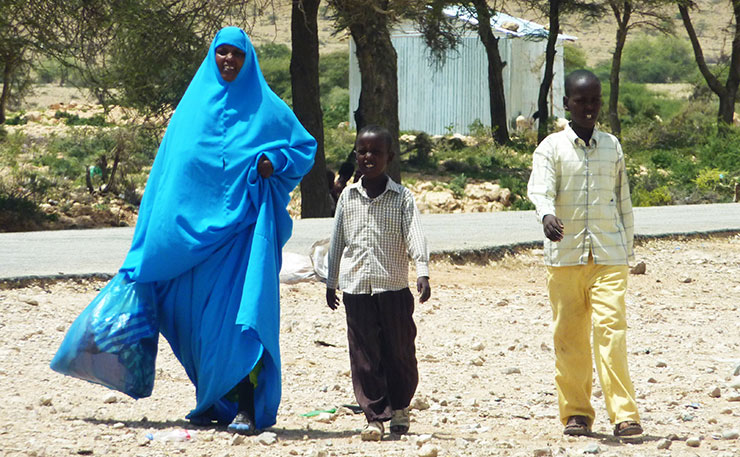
<point>577,426</point>
<point>627,428</point>
<point>242,424</point>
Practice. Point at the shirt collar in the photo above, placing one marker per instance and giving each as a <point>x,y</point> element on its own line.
<point>390,185</point>
<point>576,140</point>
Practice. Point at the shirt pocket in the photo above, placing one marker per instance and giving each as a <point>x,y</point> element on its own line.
<point>390,219</point>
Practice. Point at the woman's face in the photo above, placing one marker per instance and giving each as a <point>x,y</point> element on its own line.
<point>229,60</point>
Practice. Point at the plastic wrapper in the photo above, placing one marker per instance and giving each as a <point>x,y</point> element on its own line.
<point>113,342</point>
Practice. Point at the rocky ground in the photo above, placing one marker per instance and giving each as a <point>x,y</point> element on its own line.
<point>485,360</point>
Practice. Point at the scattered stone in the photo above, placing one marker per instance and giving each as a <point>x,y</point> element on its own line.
<point>112,398</point>
<point>30,301</point>
<point>45,401</point>
<point>638,269</point>
<point>423,439</point>
<point>737,370</point>
<point>118,425</point>
<point>664,443</point>
<point>428,450</point>
<point>478,346</point>
<point>694,441</point>
<point>686,280</point>
<point>267,438</point>
<point>715,392</point>
<point>733,398</point>
<point>324,417</point>
<point>726,411</point>
<point>84,451</point>
<point>661,364</point>
<point>735,384</point>
<point>61,328</point>
<point>688,417</point>
<point>731,434</point>
<point>513,370</point>
<point>419,404</point>
<point>652,380</point>
<point>544,452</point>
<point>319,453</point>
<point>673,437</point>
<point>592,448</point>
<point>478,361</point>
<point>237,439</point>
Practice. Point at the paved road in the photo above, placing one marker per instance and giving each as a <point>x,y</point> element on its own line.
<point>101,251</point>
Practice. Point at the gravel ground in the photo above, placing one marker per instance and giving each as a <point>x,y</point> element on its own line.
<point>485,360</point>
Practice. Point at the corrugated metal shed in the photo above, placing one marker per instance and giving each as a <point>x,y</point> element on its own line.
<point>449,98</point>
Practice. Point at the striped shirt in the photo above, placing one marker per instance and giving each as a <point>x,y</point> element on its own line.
<point>373,238</point>
<point>586,187</point>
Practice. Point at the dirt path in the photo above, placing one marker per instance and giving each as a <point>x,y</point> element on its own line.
<point>485,360</point>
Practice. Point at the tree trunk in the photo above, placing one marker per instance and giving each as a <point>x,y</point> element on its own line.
<point>623,19</point>
<point>546,84</point>
<point>727,93</point>
<point>304,75</point>
<point>7,76</point>
<point>379,73</point>
<point>497,98</point>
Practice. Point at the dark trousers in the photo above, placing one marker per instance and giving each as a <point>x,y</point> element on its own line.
<point>381,333</point>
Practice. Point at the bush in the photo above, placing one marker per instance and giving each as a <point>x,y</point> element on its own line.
<point>275,64</point>
<point>574,58</point>
<point>660,59</point>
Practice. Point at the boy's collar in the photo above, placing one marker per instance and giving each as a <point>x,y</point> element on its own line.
<point>390,184</point>
<point>578,141</point>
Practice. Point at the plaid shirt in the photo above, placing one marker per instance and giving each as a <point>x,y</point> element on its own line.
<point>371,239</point>
<point>586,187</point>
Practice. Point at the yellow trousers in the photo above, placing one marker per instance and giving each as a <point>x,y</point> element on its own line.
<point>583,297</point>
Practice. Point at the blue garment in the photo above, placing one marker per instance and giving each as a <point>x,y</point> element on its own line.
<point>211,229</point>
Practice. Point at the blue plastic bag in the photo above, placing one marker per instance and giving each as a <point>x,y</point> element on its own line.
<point>114,340</point>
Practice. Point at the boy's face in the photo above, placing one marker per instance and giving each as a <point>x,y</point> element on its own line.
<point>584,102</point>
<point>372,155</point>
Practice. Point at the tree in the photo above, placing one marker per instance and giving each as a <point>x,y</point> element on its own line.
<point>369,23</point>
<point>137,53</point>
<point>650,14</point>
<point>304,71</point>
<point>727,93</point>
<point>553,9</point>
<point>14,52</point>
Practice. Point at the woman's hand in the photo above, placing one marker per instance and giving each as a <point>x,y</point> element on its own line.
<point>264,167</point>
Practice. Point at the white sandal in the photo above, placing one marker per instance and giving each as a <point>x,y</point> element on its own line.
<point>373,431</point>
<point>400,421</point>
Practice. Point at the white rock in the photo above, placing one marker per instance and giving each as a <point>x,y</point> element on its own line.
<point>419,404</point>
<point>45,401</point>
<point>664,443</point>
<point>237,439</point>
<point>118,425</point>
<point>513,370</point>
<point>715,392</point>
<point>324,417</point>
<point>544,452</point>
<point>423,439</point>
<point>592,448</point>
<point>428,450</point>
<point>478,346</point>
<point>731,434</point>
<point>694,441</point>
<point>661,364</point>
<point>737,370</point>
<point>318,453</point>
<point>267,438</point>
<point>112,398</point>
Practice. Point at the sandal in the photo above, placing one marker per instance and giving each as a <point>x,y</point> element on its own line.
<point>373,431</point>
<point>243,425</point>
<point>627,428</point>
<point>577,426</point>
<point>400,421</point>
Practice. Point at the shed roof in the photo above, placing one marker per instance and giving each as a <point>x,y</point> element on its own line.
<point>502,24</point>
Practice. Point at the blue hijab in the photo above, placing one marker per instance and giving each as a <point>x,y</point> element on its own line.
<point>210,229</point>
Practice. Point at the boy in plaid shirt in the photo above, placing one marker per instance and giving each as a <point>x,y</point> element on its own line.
<point>375,225</point>
<point>579,187</point>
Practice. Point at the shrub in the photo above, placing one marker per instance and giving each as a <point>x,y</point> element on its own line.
<point>574,58</point>
<point>660,59</point>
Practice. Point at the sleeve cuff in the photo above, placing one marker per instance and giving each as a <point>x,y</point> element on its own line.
<point>422,269</point>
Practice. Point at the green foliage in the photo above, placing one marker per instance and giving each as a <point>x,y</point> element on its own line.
<point>659,59</point>
<point>18,119</point>
<point>710,179</point>
<point>98,120</point>
<point>659,196</point>
<point>335,106</point>
<point>574,58</point>
<point>274,61</point>
<point>334,71</point>
<point>457,185</point>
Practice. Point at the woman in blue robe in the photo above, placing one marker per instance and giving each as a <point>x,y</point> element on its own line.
<point>211,226</point>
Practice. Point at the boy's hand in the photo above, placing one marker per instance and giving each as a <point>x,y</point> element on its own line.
<point>553,227</point>
<point>422,286</point>
<point>264,167</point>
<point>331,298</point>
